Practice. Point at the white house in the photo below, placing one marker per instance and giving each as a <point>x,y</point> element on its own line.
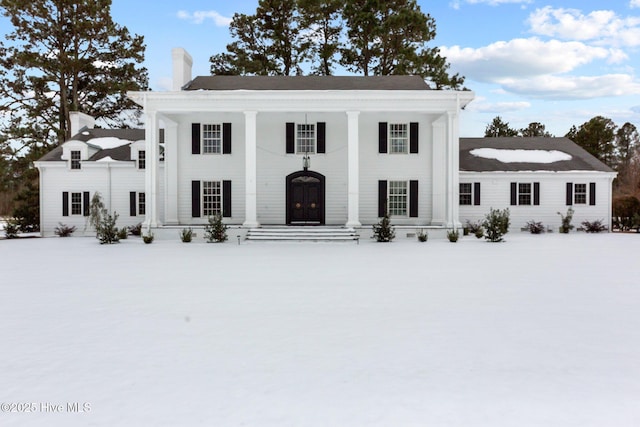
<point>266,151</point>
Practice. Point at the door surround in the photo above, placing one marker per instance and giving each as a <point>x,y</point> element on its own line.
<point>306,180</point>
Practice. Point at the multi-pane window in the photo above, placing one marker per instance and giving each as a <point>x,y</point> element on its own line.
<point>398,138</point>
<point>580,194</point>
<point>141,203</point>
<point>398,198</point>
<point>142,159</point>
<point>465,193</point>
<point>211,198</point>
<point>75,159</point>
<point>524,193</point>
<point>212,138</point>
<point>305,138</point>
<point>76,203</point>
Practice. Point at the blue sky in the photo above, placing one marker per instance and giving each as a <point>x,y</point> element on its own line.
<point>555,62</point>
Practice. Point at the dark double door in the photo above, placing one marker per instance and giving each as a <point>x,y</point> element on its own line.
<point>305,198</point>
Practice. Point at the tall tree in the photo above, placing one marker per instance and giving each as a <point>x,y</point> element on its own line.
<point>597,136</point>
<point>534,129</point>
<point>627,159</point>
<point>322,27</point>
<point>499,128</point>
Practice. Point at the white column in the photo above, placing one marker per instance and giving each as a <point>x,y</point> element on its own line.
<point>151,171</point>
<point>353,152</point>
<point>171,172</point>
<point>439,172</point>
<point>250,135</point>
<point>453,171</point>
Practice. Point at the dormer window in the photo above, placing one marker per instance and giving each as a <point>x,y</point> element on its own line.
<point>142,159</point>
<point>75,159</point>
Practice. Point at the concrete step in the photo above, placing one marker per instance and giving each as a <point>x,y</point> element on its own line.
<point>317,234</point>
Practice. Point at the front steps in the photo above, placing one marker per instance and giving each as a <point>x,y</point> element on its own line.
<point>302,234</point>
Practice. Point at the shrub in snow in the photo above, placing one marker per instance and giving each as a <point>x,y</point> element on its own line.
<point>566,221</point>
<point>496,224</point>
<point>383,231</point>
<point>594,226</point>
<point>535,227</point>
<point>625,209</point>
<point>107,232</point>
<point>453,235</point>
<point>123,233</point>
<point>11,229</point>
<point>148,238</point>
<point>135,230</point>
<point>475,228</point>
<point>216,230</point>
<point>186,234</point>
<point>63,230</point>
<point>422,236</point>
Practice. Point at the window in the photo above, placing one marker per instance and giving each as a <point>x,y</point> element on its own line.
<point>141,203</point>
<point>580,194</point>
<point>524,193</point>
<point>75,159</point>
<point>305,138</point>
<point>398,138</point>
<point>465,193</point>
<point>142,155</point>
<point>211,198</point>
<point>212,138</point>
<point>397,198</point>
<point>76,203</point>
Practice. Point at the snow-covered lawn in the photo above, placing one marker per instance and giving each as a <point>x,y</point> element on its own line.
<point>539,331</point>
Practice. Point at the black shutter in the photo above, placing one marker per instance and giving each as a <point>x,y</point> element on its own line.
<point>413,137</point>
<point>569,193</point>
<point>195,138</point>
<point>226,138</point>
<point>382,198</point>
<point>195,199</point>
<point>321,140</point>
<point>592,193</point>
<point>85,203</point>
<point>132,203</point>
<point>65,203</point>
<point>161,136</point>
<point>226,199</point>
<point>476,193</point>
<point>413,199</point>
<point>536,193</point>
<point>514,193</point>
<point>382,137</point>
<point>291,138</point>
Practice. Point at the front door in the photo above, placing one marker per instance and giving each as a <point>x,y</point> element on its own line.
<point>305,198</point>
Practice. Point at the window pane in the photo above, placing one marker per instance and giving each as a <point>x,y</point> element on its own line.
<point>397,198</point>
<point>75,159</point>
<point>76,203</point>
<point>212,139</point>
<point>398,138</point>
<point>141,203</point>
<point>580,194</point>
<point>211,198</point>
<point>306,138</point>
<point>142,155</point>
<point>524,194</point>
<point>465,193</point>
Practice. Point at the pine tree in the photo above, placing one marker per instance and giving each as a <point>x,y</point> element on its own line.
<point>597,136</point>
<point>216,230</point>
<point>498,128</point>
<point>383,231</point>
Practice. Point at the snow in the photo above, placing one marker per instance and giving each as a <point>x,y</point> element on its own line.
<point>108,142</point>
<point>538,331</point>
<point>106,159</point>
<point>524,156</point>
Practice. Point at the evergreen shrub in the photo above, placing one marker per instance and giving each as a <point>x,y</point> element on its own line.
<point>496,224</point>
<point>535,227</point>
<point>63,230</point>
<point>566,221</point>
<point>594,226</point>
<point>186,234</point>
<point>383,231</point>
<point>216,230</point>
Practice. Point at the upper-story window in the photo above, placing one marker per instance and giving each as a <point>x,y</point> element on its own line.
<point>75,159</point>
<point>212,138</point>
<point>398,138</point>
<point>142,159</point>
<point>305,138</point>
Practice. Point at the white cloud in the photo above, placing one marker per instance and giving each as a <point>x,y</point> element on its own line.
<point>574,87</point>
<point>456,3</point>
<point>600,26</point>
<point>522,58</point>
<point>199,16</point>
<point>634,3</point>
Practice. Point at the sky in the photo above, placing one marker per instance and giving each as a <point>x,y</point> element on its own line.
<point>556,62</point>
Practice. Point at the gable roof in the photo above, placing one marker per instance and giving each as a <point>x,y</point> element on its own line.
<point>307,83</point>
<point>121,153</point>
<point>580,159</point>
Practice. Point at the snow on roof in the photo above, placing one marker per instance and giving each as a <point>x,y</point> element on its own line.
<point>108,142</point>
<point>521,156</point>
<point>107,159</point>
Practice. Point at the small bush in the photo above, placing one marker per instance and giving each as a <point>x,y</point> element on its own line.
<point>535,227</point>
<point>566,221</point>
<point>135,230</point>
<point>148,238</point>
<point>123,233</point>
<point>186,234</point>
<point>422,236</point>
<point>594,227</point>
<point>107,232</point>
<point>475,228</point>
<point>453,235</point>
<point>496,224</point>
<point>63,230</point>
<point>11,229</point>
<point>383,231</point>
<point>636,222</point>
<point>216,230</point>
